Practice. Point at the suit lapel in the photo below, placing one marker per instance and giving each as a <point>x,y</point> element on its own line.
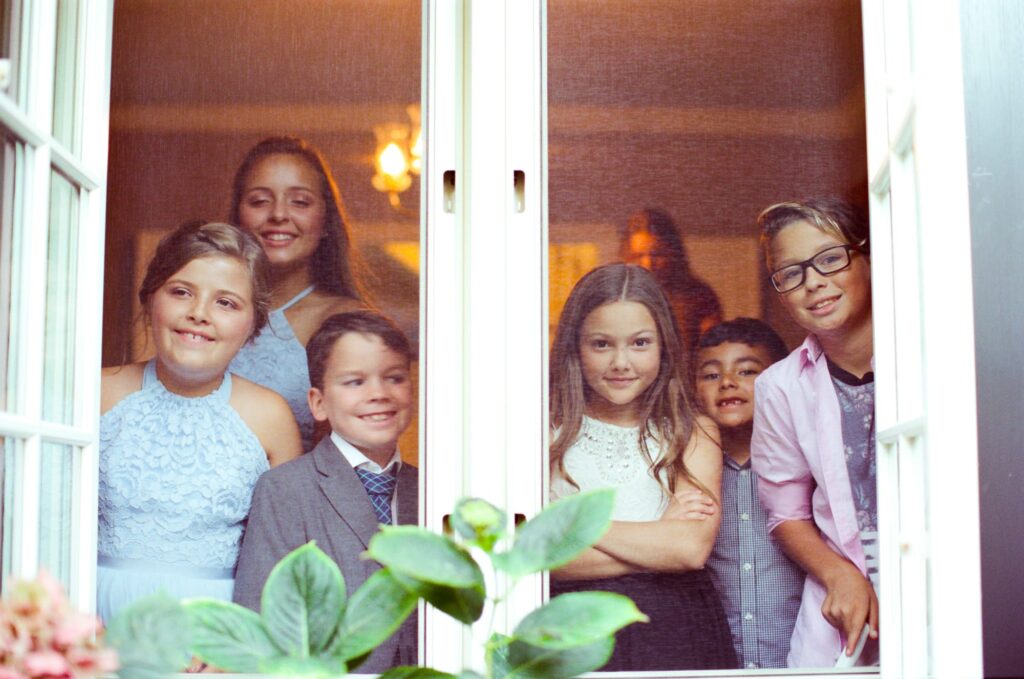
<point>344,491</point>
<point>408,494</point>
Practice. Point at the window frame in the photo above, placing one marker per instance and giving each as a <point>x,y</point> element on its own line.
<point>483,128</point>
<point>27,120</point>
<point>926,412</point>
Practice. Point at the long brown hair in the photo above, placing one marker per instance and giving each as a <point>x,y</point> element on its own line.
<point>334,266</point>
<point>667,413</point>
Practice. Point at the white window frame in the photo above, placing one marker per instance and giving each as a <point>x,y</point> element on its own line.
<point>484,310</point>
<point>924,339</point>
<point>484,269</point>
<point>27,118</point>
<point>923,311</point>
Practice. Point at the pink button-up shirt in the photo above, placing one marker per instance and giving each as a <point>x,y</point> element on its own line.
<point>797,451</point>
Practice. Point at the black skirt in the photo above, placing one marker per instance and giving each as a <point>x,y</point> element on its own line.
<point>687,631</point>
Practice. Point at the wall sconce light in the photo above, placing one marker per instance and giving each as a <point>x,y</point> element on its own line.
<point>399,155</point>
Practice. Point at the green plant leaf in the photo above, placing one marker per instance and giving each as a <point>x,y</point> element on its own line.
<point>531,662</point>
<point>303,601</point>
<point>373,614</point>
<point>420,554</point>
<point>465,604</point>
<point>304,667</point>
<point>496,654</point>
<point>413,672</point>
<point>479,522</point>
<point>577,619</point>
<point>152,638</point>
<point>558,534</point>
<point>229,636</point>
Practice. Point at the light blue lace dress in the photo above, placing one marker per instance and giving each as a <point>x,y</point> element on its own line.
<point>175,486</point>
<point>277,360</point>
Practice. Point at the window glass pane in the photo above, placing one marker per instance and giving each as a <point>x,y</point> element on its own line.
<point>55,500</point>
<point>344,76</point>
<point>7,200</point>
<point>65,113</point>
<point>8,45</point>
<point>10,450</point>
<point>672,125</point>
<point>61,276</point>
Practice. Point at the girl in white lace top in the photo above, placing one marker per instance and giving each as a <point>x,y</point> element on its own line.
<point>624,419</point>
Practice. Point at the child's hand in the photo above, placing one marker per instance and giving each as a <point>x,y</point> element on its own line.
<point>849,603</point>
<point>691,505</point>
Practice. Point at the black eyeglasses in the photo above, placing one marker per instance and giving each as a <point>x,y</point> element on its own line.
<point>827,262</point>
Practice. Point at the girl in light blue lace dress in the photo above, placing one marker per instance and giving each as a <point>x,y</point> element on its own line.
<point>182,442</point>
<point>284,194</point>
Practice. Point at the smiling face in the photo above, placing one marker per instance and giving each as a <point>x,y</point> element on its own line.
<point>282,204</point>
<point>830,306</point>
<point>725,381</point>
<point>367,394</point>
<point>200,317</point>
<point>620,354</point>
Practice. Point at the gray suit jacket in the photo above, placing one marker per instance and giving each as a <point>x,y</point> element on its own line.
<point>318,496</point>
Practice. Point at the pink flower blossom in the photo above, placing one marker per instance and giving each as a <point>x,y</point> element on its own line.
<point>75,629</point>
<point>42,637</point>
<point>46,664</point>
<point>92,662</point>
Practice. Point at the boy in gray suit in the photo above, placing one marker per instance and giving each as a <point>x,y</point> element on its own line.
<point>354,479</point>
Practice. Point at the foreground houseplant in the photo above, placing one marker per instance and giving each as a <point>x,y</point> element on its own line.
<point>308,626</point>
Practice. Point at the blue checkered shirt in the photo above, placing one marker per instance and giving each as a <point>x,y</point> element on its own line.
<point>759,586</point>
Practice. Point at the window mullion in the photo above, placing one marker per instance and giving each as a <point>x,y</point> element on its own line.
<point>442,405</point>
<point>85,486</point>
<point>30,288</point>
<point>93,101</point>
<point>487,186</point>
<point>42,33</point>
<point>96,32</point>
<point>526,248</point>
<point>948,324</point>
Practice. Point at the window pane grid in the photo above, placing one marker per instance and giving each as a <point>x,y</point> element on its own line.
<point>19,425</point>
<point>19,125</point>
<point>46,515</point>
<point>72,168</point>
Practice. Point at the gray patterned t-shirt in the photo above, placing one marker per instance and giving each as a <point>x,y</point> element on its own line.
<point>857,409</point>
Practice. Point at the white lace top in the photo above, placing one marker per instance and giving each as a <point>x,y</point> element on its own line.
<point>609,456</point>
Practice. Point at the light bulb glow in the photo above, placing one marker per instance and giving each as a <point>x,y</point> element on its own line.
<point>392,161</point>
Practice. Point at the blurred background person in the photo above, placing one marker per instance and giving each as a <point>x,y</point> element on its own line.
<point>651,240</point>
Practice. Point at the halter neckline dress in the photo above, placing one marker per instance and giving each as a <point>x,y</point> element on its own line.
<point>176,476</point>
<point>277,360</point>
